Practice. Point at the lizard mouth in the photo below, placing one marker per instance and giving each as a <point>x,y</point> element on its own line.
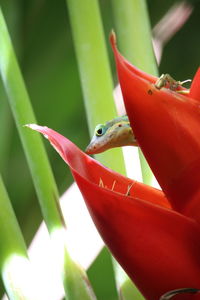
<point>97,147</point>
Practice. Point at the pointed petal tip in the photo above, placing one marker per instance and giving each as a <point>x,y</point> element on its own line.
<point>33,126</point>
<point>113,42</point>
<point>41,129</point>
<point>113,39</point>
<point>123,64</point>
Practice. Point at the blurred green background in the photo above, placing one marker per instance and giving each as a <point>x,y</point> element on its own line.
<point>42,39</point>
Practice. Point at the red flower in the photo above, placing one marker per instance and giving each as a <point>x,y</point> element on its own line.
<point>167,128</point>
<point>156,245</point>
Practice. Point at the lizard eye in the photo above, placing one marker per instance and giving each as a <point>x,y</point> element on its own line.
<point>99,130</point>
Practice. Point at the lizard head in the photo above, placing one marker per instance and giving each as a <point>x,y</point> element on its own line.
<point>115,133</point>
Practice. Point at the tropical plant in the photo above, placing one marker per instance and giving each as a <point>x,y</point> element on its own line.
<point>126,223</point>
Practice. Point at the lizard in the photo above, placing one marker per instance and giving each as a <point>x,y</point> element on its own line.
<point>114,133</point>
<point>118,132</point>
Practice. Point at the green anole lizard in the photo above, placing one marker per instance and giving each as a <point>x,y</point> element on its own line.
<point>118,132</point>
<point>115,133</point>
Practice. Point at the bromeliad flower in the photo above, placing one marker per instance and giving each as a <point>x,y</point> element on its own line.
<point>167,128</point>
<point>157,246</point>
<point>153,234</point>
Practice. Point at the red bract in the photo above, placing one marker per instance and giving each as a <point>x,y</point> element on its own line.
<point>157,246</point>
<point>167,128</point>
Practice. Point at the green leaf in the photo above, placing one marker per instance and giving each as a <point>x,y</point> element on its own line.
<point>39,166</point>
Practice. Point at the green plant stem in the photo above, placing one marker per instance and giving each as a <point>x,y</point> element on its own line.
<point>77,283</point>
<point>134,39</point>
<point>126,288</point>
<point>12,242</point>
<point>94,70</point>
<point>38,163</point>
<point>33,146</point>
<point>6,125</point>
<point>10,235</point>
<point>134,33</point>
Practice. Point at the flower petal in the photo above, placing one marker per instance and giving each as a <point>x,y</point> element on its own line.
<point>150,78</point>
<point>155,245</point>
<point>167,128</point>
<point>129,66</point>
<point>95,172</point>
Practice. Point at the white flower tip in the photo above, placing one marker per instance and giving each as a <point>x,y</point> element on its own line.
<point>32,126</point>
<point>36,127</point>
<point>41,129</point>
<point>113,38</point>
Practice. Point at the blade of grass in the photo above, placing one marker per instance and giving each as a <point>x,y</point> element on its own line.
<point>134,39</point>
<point>39,165</point>
<point>94,70</point>
<point>12,251</point>
<point>134,33</point>
<point>23,114</point>
<point>6,125</point>
<point>127,290</point>
<point>75,281</point>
